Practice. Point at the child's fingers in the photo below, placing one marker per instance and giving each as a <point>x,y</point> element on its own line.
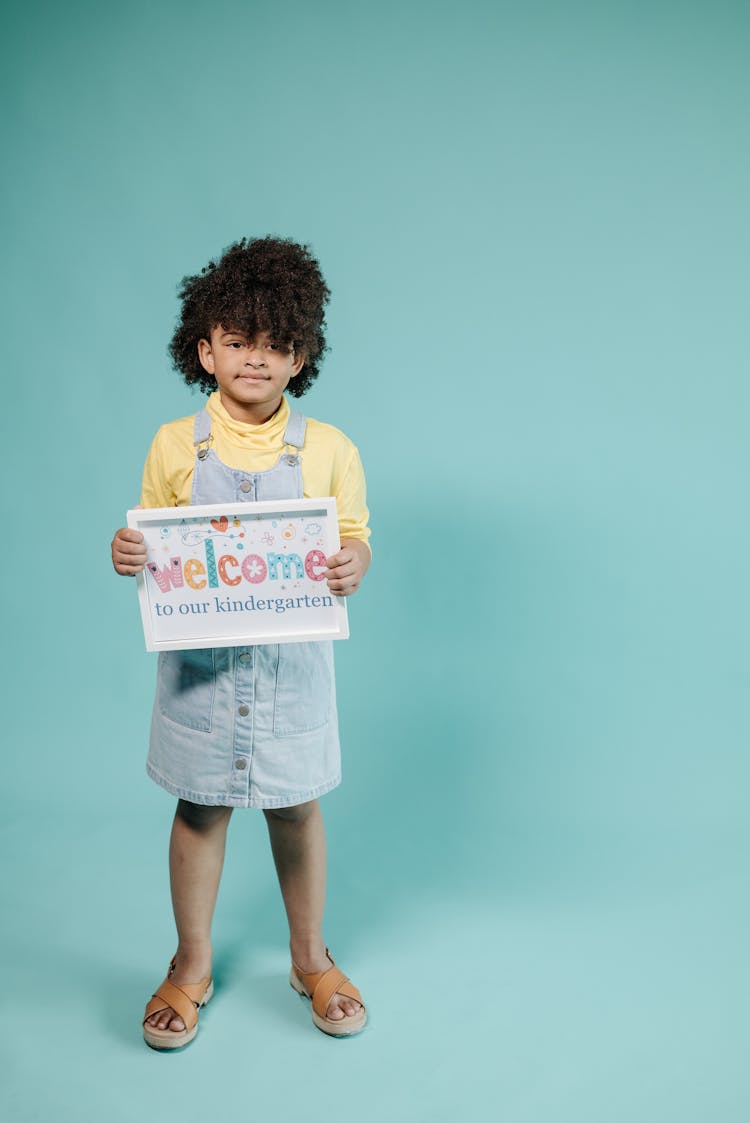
<point>128,569</point>
<point>343,588</point>
<point>128,534</point>
<point>346,589</point>
<point>125,563</point>
<point>339,571</point>
<point>344,580</point>
<point>343,573</point>
<point>129,551</point>
<point>339,558</point>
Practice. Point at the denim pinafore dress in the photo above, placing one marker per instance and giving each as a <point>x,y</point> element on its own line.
<point>251,726</point>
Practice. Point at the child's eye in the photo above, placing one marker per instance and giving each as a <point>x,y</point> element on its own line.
<point>236,344</point>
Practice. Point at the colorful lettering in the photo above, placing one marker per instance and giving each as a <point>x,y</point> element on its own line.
<point>213,579</point>
<point>314,560</point>
<point>285,561</point>
<point>194,569</point>
<point>169,577</point>
<point>224,561</point>
<point>254,569</point>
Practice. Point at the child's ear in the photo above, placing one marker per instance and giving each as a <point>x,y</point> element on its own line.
<point>206,356</point>
<point>299,362</point>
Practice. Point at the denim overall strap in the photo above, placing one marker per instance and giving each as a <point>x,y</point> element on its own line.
<point>202,433</point>
<point>294,434</point>
<point>215,482</point>
<point>295,429</point>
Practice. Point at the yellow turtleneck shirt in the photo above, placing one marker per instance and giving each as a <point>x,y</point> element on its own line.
<point>330,462</point>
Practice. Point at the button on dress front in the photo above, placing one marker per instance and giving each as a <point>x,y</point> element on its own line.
<point>248,726</point>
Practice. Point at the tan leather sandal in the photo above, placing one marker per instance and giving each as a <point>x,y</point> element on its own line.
<point>185,1000</point>
<point>320,987</point>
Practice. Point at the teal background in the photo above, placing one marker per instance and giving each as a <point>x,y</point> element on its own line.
<point>534,222</point>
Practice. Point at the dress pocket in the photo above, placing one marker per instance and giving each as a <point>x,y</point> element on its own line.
<point>304,680</point>
<point>186,687</point>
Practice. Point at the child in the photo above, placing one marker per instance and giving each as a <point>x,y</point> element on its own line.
<point>250,726</point>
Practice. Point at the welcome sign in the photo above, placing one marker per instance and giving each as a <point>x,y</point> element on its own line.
<point>239,573</point>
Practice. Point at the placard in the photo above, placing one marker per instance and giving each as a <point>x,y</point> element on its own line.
<point>234,574</point>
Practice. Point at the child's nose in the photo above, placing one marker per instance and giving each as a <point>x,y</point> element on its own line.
<point>255,354</point>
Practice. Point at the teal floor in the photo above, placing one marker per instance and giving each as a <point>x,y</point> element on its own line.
<point>596,979</point>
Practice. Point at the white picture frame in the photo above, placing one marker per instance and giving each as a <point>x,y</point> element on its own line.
<point>238,574</point>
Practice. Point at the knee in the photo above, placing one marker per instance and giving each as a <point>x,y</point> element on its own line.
<point>200,817</point>
<point>292,814</point>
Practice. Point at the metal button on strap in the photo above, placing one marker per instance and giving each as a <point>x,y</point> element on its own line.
<point>240,763</point>
<point>245,485</point>
<point>245,657</point>
<point>292,459</point>
<point>244,711</point>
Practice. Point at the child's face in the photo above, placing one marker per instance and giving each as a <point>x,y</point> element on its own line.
<point>251,374</point>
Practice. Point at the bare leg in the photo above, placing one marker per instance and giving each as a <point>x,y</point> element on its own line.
<point>299,850</point>
<point>196,859</point>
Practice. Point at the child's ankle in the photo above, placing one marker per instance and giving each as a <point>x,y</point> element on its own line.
<point>188,955</point>
<point>308,954</point>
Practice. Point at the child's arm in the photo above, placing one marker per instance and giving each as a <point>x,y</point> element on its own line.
<point>345,569</point>
<point>128,551</point>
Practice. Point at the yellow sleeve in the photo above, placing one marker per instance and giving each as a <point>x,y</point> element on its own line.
<point>351,500</point>
<point>168,472</point>
<point>156,490</point>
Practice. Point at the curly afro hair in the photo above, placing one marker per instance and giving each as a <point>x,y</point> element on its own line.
<point>258,285</point>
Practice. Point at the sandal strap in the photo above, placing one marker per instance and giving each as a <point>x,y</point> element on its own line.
<point>310,979</point>
<point>320,986</point>
<point>183,1000</point>
<point>330,982</point>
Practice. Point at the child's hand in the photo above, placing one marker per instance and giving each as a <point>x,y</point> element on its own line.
<point>345,570</point>
<point>128,551</point>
